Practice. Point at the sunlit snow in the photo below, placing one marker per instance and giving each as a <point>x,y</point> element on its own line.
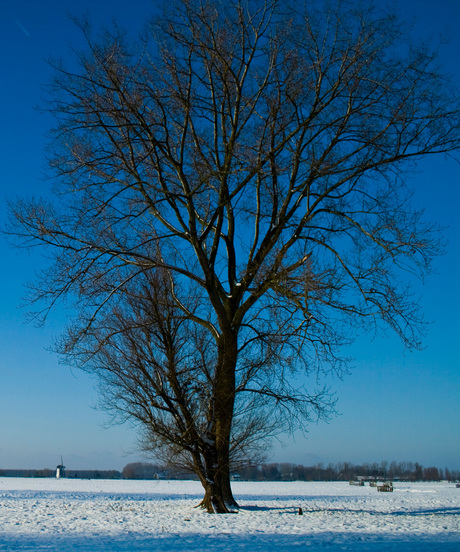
<point>130,516</point>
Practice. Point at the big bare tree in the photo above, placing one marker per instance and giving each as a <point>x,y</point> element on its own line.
<point>230,207</point>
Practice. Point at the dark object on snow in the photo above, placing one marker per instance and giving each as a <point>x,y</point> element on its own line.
<point>357,482</point>
<point>300,512</point>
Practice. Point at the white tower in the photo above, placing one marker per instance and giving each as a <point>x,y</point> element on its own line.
<point>60,470</point>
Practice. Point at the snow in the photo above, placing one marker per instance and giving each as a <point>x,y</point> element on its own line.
<point>129,516</point>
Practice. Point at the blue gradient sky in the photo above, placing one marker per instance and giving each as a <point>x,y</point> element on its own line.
<point>394,405</point>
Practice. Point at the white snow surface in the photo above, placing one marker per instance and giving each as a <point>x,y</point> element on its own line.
<point>129,516</point>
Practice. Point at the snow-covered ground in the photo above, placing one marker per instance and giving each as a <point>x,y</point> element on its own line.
<point>129,516</point>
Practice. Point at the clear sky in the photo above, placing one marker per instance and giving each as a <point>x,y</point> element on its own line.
<point>394,405</point>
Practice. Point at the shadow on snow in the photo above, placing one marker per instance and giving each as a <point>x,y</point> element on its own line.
<point>256,542</point>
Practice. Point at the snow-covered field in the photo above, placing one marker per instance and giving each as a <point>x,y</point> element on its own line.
<point>130,516</point>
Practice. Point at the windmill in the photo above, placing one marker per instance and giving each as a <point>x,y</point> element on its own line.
<point>60,470</point>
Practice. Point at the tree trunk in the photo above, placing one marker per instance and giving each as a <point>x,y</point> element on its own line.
<point>216,480</point>
<point>216,499</point>
<point>226,489</point>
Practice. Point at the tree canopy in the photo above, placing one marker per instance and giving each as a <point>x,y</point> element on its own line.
<point>230,207</point>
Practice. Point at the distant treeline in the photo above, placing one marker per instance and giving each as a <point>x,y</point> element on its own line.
<point>346,471</point>
<point>342,471</point>
<point>76,474</point>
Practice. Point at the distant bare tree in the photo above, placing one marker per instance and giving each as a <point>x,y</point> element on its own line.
<point>231,207</point>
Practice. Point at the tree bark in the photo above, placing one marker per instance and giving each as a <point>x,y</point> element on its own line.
<point>216,479</point>
<point>218,497</point>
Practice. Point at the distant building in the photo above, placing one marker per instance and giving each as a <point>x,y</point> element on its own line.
<point>60,470</point>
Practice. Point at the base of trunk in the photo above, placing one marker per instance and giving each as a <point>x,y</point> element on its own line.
<point>213,503</point>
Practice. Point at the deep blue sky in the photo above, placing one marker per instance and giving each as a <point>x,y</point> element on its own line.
<point>395,405</point>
